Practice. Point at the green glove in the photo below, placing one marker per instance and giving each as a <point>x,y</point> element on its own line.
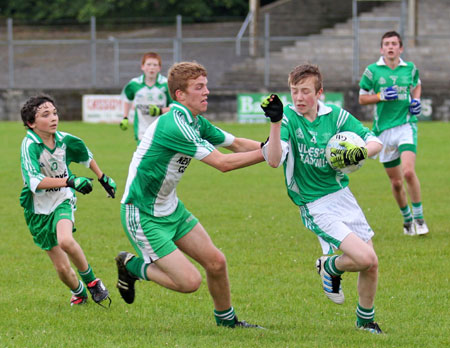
<point>80,184</point>
<point>351,155</point>
<point>154,110</point>
<point>124,124</point>
<point>273,108</point>
<point>109,185</point>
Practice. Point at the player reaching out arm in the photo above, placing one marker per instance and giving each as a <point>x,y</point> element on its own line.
<point>298,137</point>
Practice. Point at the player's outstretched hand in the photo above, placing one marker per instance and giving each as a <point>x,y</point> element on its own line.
<point>415,107</point>
<point>273,108</point>
<point>80,184</point>
<point>351,155</point>
<point>389,93</point>
<point>153,110</point>
<point>124,124</point>
<point>109,185</point>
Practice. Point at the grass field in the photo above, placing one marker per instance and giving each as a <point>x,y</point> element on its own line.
<point>270,257</point>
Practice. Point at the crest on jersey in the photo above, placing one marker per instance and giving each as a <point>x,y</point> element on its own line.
<point>382,80</point>
<point>299,133</point>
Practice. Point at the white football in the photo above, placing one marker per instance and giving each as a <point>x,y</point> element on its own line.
<point>333,143</point>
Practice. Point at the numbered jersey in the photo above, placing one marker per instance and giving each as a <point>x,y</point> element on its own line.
<point>307,173</point>
<point>376,78</point>
<point>143,96</point>
<point>38,162</point>
<point>163,155</point>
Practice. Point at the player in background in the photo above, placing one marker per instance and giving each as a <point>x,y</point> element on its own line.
<point>48,194</point>
<point>150,95</point>
<point>394,86</point>
<point>160,228</point>
<point>299,133</point>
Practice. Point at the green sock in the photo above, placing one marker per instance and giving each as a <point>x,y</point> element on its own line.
<point>226,317</point>
<point>417,209</point>
<point>406,212</point>
<point>80,290</point>
<point>87,275</point>
<point>137,267</point>
<point>330,266</point>
<point>364,315</point>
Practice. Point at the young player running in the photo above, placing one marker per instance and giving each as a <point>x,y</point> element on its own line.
<point>394,86</point>
<point>150,95</point>
<point>156,222</point>
<point>298,137</point>
<point>48,194</point>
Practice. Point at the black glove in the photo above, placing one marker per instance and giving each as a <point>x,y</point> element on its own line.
<point>273,108</point>
<point>80,184</point>
<point>109,185</point>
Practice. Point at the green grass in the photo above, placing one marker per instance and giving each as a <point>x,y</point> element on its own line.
<point>270,258</point>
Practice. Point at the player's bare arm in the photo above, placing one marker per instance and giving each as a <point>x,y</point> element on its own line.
<point>373,148</point>
<point>244,145</point>
<point>367,99</point>
<point>231,161</point>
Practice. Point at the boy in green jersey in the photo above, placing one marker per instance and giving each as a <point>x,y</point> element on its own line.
<point>160,228</point>
<point>48,194</point>
<point>150,95</point>
<point>394,86</point>
<point>299,133</point>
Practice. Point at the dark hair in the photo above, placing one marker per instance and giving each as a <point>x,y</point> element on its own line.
<point>29,109</point>
<point>391,34</point>
<point>304,71</point>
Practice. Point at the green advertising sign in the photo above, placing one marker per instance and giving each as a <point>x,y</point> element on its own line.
<point>249,109</point>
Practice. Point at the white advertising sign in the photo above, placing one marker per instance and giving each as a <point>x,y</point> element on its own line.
<point>103,108</point>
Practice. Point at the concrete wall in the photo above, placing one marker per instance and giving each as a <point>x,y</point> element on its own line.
<point>222,105</point>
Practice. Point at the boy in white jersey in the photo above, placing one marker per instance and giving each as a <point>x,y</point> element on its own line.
<point>394,86</point>
<point>150,95</point>
<point>48,194</point>
<point>156,222</point>
<point>298,137</point>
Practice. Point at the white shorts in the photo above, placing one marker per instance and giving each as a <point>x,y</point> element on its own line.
<point>333,217</point>
<point>393,138</point>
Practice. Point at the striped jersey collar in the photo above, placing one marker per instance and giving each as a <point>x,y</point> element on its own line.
<point>37,139</point>
<point>382,62</point>
<point>323,109</point>
<point>184,111</point>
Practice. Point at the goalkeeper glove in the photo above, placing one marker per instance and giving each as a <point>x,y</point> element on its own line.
<point>109,185</point>
<point>415,108</point>
<point>153,110</point>
<point>387,94</point>
<point>351,155</point>
<point>124,124</point>
<point>273,108</point>
<point>80,184</point>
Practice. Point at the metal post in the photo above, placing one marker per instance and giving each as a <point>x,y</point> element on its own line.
<point>116,60</point>
<point>412,22</point>
<point>93,53</point>
<point>355,42</point>
<point>253,44</point>
<point>403,13</point>
<point>10,52</point>
<point>178,40</point>
<point>266,50</point>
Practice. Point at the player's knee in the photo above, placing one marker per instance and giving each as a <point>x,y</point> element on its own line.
<point>67,244</point>
<point>217,263</point>
<point>369,261</point>
<point>409,174</point>
<point>397,184</point>
<point>191,283</point>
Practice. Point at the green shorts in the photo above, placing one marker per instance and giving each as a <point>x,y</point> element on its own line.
<point>43,227</point>
<point>154,237</point>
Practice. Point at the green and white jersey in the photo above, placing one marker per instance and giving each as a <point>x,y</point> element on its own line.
<point>38,162</point>
<point>163,155</point>
<point>308,175</point>
<point>377,77</point>
<point>143,96</point>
